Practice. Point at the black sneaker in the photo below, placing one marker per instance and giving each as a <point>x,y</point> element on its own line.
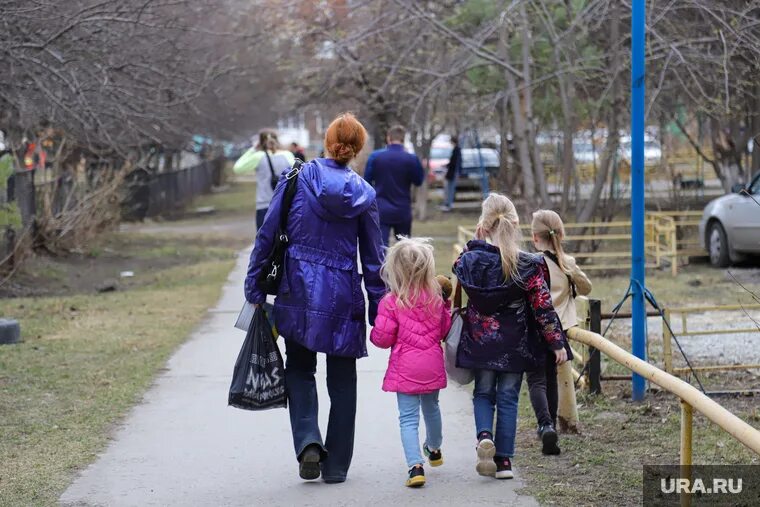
<point>549,440</point>
<point>486,451</point>
<point>416,477</point>
<point>308,466</point>
<point>503,468</point>
<point>434,457</point>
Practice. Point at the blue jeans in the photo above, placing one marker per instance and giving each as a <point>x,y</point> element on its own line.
<point>409,421</point>
<point>338,447</point>
<point>499,390</point>
<point>399,229</point>
<point>451,191</point>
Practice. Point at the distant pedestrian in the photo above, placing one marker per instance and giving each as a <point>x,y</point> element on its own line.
<point>268,161</point>
<point>320,306</point>
<point>393,172</point>
<point>412,321</point>
<point>567,281</point>
<point>297,152</point>
<point>453,169</point>
<point>509,321</point>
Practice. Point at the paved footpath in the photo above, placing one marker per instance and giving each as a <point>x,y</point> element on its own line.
<point>183,446</point>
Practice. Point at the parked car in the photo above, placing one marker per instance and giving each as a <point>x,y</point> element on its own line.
<point>652,152</point>
<point>585,153</point>
<point>730,225</point>
<point>439,159</point>
<point>471,163</point>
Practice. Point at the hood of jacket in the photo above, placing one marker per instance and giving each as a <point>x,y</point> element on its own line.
<point>479,271</point>
<point>334,191</point>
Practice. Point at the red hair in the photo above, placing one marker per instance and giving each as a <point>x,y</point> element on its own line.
<point>345,138</point>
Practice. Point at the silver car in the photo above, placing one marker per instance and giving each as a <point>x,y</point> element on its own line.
<point>730,225</point>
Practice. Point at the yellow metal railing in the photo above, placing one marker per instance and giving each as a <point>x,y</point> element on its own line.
<point>691,398</point>
<point>670,240</point>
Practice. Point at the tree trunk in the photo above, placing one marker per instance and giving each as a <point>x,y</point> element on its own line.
<point>613,127</point>
<point>728,155</point>
<point>422,192</point>
<point>504,179</point>
<point>530,126</point>
<point>518,127</point>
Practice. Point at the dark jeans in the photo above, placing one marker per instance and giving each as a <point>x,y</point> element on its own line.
<point>338,448</point>
<point>260,214</point>
<point>542,386</point>
<point>399,229</point>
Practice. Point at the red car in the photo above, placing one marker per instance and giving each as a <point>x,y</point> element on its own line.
<point>439,158</point>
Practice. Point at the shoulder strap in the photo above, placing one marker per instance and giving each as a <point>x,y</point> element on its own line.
<point>555,260</point>
<point>271,168</point>
<point>287,198</point>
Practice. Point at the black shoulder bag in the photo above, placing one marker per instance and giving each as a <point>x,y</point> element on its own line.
<point>555,260</point>
<point>271,275</point>
<point>272,177</point>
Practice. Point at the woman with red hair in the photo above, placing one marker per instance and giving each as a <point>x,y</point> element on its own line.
<point>320,306</point>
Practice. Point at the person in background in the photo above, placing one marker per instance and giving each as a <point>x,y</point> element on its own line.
<point>268,161</point>
<point>452,172</point>
<point>508,324</point>
<point>566,281</point>
<point>393,172</point>
<point>332,225</point>
<point>412,320</point>
<point>297,152</point>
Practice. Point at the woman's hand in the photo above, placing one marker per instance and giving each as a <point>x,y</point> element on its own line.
<point>560,355</point>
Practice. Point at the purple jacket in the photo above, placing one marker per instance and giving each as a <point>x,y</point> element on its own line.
<point>320,303</point>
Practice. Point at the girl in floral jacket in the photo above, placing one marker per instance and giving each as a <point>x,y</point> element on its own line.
<point>508,324</point>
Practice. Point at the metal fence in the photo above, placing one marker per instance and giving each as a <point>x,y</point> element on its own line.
<point>145,195</point>
<point>671,238</point>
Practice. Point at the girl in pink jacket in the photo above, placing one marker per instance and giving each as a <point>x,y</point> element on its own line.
<point>412,321</point>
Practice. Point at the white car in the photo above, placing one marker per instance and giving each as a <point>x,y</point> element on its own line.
<point>730,225</point>
<point>652,152</point>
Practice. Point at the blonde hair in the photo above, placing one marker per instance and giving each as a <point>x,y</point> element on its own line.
<point>548,226</point>
<point>409,272</point>
<point>499,221</point>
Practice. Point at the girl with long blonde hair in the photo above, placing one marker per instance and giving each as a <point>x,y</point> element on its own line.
<point>567,281</point>
<point>412,321</point>
<point>508,323</point>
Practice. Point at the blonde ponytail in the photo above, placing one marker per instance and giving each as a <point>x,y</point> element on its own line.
<point>499,221</point>
<point>548,226</point>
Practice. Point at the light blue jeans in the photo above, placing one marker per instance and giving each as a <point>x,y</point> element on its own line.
<point>409,421</point>
<point>499,391</point>
<point>451,192</point>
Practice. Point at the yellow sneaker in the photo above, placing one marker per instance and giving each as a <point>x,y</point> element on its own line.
<point>435,458</point>
<point>416,477</point>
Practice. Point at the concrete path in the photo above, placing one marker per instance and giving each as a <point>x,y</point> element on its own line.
<point>183,446</point>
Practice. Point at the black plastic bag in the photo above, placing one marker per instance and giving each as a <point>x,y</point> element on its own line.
<point>258,382</point>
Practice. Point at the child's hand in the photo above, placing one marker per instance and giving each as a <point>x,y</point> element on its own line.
<point>560,355</point>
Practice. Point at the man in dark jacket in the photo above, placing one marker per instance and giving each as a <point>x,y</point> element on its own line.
<point>452,171</point>
<point>393,171</point>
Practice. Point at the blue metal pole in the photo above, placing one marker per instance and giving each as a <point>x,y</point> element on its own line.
<point>638,261</point>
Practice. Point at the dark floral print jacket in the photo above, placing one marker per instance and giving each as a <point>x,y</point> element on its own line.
<point>508,324</point>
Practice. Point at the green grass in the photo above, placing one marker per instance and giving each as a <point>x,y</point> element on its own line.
<point>240,198</point>
<point>85,360</point>
<point>603,465</point>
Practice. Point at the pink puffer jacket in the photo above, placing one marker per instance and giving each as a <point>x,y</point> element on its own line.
<point>414,336</point>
